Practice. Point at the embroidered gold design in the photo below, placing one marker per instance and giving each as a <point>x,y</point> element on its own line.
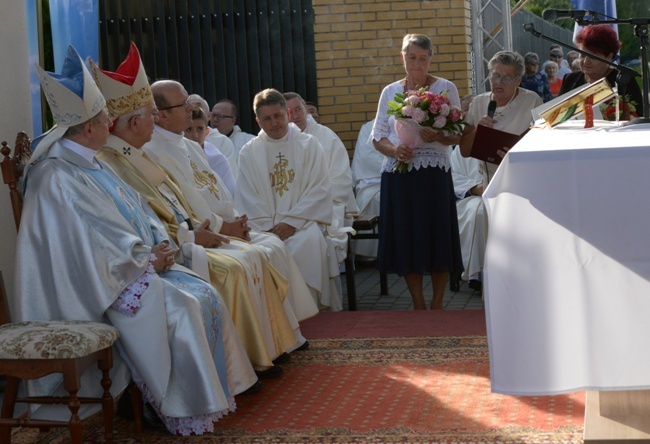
<point>125,104</point>
<point>280,177</point>
<point>205,179</point>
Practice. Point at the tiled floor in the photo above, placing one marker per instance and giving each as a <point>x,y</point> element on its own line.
<point>398,298</point>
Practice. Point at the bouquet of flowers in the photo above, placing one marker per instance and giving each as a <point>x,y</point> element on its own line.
<point>415,109</point>
<point>626,111</point>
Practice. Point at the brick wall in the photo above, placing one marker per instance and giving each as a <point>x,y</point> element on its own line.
<point>358,44</point>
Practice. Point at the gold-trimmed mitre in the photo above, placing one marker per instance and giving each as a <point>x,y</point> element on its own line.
<point>126,89</point>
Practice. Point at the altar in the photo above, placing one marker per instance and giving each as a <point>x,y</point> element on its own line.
<point>567,268</point>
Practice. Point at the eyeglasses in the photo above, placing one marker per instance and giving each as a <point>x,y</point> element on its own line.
<point>221,116</point>
<point>556,56</point>
<point>496,78</point>
<point>176,106</point>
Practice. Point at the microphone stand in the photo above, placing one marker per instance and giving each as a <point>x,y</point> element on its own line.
<point>625,74</point>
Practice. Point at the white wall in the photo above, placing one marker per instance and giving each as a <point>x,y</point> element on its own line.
<point>15,115</point>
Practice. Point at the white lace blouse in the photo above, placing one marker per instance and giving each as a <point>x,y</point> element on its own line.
<point>428,155</point>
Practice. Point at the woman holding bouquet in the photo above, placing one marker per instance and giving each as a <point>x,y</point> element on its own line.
<point>418,229</point>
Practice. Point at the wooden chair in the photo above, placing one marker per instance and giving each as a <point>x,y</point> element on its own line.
<point>30,350</point>
<point>365,224</point>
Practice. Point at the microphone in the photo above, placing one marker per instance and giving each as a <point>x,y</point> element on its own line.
<point>492,107</point>
<point>554,14</point>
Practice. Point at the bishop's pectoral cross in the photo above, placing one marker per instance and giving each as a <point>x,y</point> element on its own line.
<point>281,177</point>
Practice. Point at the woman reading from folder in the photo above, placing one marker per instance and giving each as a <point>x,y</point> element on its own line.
<point>513,104</point>
<point>600,40</point>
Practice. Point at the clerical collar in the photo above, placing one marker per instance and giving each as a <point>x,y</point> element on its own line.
<point>139,159</point>
<point>168,134</point>
<point>87,153</point>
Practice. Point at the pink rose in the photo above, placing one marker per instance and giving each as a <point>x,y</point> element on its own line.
<point>439,122</point>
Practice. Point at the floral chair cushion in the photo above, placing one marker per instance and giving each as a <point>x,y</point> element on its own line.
<point>54,339</point>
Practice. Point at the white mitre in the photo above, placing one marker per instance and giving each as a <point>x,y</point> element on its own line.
<point>73,97</point>
<point>126,89</point>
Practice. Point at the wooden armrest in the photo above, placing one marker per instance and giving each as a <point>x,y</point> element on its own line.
<point>367,222</point>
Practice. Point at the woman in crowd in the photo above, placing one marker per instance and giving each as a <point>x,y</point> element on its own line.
<point>602,41</point>
<point>554,82</point>
<point>533,80</point>
<point>418,231</point>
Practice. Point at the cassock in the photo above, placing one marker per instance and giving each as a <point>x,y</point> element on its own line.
<point>338,166</point>
<point>225,145</point>
<point>208,198</point>
<point>220,164</point>
<point>466,173</point>
<point>286,180</point>
<point>85,238</point>
<point>366,173</point>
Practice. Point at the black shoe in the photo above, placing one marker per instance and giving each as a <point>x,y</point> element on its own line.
<point>475,285</point>
<point>303,347</point>
<point>282,359</point>
<point>270,373</point>
<point>253,389</point>
<point>151,419</point>
<point>125,406</point>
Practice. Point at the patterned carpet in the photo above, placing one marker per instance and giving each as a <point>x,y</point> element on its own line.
<point>369,390</point>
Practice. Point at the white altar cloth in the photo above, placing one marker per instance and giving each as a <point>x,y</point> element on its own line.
<point>567,270</point>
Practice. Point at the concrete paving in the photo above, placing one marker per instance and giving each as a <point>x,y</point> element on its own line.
<point>398,298</point>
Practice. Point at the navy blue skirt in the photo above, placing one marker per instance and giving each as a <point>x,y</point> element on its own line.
<point>418,223</point>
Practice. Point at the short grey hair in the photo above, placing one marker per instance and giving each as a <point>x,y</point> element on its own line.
<point>123,121</point>
<point>196,99</point>
<point>508,58</point>
<point>531,58</point>
<point>419,40</point>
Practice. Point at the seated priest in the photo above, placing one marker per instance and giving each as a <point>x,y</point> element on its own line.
<point>366,173</point>
<point>337,162</point>
<point>89,249</point>
<point>285,189</point>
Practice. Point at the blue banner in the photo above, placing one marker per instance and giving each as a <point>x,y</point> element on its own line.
<point>76,23</point>
<point>605,7</point>
<point>32,47</point>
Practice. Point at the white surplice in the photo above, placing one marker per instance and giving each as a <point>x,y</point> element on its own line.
<point>466,173</point>
<point>286,180</point>
<point>225,145</point>
<point>220,164</point>
<point>338,166</point>
<point>366,173</point>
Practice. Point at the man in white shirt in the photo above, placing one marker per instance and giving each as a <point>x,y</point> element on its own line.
<point>338,166</point>
<point>224,119</point>
<point>285,189</point>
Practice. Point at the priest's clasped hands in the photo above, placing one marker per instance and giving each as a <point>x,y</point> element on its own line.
<point>207,238</point>
<point>164,257</point>
<point>282,230</point>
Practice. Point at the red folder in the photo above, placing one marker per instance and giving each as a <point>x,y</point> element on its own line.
<point>487,141</point>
